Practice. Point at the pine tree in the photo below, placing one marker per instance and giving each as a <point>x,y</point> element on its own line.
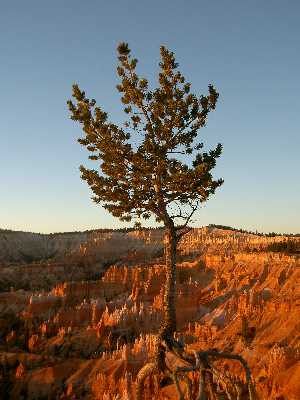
<point>151,179</point>
<point>153,165</point>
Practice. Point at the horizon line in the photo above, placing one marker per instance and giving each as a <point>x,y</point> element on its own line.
<point>128,229</point>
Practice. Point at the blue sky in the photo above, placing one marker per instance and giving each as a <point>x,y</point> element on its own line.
<point>249,50</point>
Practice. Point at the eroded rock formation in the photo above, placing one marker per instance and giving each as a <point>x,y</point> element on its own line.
<point>88,338</point>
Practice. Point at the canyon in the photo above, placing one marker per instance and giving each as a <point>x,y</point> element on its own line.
<point>79,311</point>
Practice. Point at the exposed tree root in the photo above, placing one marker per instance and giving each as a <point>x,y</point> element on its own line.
<point>211,379</point>
<point>144,372</point>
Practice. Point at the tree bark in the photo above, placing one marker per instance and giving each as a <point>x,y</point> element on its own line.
<point>170,285</point>
<point>168,326</point>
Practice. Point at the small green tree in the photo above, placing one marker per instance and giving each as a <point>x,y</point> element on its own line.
<point>151,165</point>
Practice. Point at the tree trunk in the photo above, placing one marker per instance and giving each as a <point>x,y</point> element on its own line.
<point>169,307</point>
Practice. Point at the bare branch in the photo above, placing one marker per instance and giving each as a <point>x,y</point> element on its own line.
<point>175,152</point>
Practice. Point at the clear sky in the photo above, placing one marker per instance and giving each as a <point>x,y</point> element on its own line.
<point>250,50</point>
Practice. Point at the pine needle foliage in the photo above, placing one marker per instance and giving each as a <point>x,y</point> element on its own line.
<point>167,174</point>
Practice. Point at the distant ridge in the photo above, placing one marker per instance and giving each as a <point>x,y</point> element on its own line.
<point>270,234</point>
<point>26,247</point>
<point>132,229</point>
<point>87,231</point>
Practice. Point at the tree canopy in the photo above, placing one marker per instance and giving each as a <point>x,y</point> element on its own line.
<point>153,165</point>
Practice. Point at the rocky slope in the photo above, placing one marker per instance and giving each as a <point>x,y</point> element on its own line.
<point>25,247</point>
